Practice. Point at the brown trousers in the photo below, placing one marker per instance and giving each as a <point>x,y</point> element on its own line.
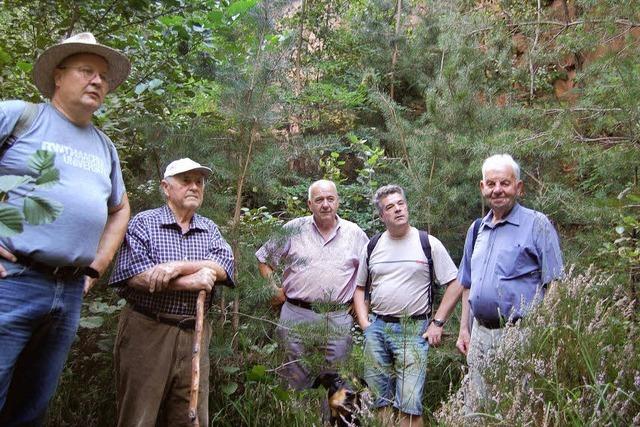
<point>153,372</point>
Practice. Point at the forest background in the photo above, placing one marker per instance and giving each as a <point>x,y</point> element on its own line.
<point>276,94</point>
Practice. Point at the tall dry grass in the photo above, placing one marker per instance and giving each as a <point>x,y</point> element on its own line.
<point>578,365</point>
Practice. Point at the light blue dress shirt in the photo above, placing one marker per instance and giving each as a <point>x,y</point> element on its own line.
<point>512,262</point>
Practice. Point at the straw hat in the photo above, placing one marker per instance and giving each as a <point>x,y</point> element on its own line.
<point>185,165</point>
<point>119,65</point>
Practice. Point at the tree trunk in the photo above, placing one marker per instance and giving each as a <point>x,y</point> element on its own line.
<point>394,55</point>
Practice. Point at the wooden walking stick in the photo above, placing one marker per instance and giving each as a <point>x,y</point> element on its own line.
<point>195,361</point>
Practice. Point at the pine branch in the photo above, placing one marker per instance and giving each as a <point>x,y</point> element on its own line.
<point>624,22</point>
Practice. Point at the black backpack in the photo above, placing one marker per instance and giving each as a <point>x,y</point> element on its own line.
<point>426,248</point>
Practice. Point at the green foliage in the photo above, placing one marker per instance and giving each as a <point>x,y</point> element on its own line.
<point>274,96</point>
<point>36,210</point>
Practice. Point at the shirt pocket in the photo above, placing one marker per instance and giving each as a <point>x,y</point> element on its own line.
<point>517,261</point>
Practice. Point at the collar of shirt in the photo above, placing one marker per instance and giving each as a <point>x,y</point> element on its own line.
<point>334,232</point>
<point>168,219</point>
<point>513,217</point>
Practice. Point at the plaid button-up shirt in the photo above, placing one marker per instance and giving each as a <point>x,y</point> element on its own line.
<point>154,237</point>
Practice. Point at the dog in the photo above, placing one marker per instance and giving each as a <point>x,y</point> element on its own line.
<point>348,399</point>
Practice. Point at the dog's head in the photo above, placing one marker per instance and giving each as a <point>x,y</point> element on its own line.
<point>345,397</point>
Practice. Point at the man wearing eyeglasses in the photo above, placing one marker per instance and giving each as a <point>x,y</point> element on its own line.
<point>44,269</point>
<point>169,254</point>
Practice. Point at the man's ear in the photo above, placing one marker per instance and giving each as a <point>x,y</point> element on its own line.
<point>57,76</point>
<point>519,188</point>
<point>164,185</point>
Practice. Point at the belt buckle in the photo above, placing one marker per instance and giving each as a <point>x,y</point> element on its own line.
<point>188,323</point>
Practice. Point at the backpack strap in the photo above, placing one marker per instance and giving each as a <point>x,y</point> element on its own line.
<point>476,229</point>
<point>21,127</point>
<point>426,248</point>
<point>370,246</point>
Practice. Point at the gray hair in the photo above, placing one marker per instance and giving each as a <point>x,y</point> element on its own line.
<point>318,182</point>
<point>384,191</point>
<point>498,160</point>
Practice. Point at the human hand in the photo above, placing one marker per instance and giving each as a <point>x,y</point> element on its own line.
<point>433,334</point>
<point>89,282</point>
<point>161,274</point>
<point>204,279</point>
<point>4,253</point>
<point>279,297</point>
<point>464,338</point>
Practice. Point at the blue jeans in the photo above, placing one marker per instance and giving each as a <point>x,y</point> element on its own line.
<point>396,363</point>
<point>39,316</point>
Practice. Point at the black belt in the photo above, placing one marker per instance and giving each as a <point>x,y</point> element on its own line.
<point>395,319</point>
<point>186,322</point>
<point>310,305</point>
<point>495,323</point>
<point>65,271</point>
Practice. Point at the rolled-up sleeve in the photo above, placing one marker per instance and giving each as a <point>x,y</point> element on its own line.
<point>222,254</point>
<point>273,250</point>
<point>134,256</point>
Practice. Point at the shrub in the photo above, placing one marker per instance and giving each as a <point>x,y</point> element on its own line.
<point>578,365</point>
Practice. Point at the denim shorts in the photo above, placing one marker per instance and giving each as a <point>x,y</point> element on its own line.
<point>396,363</point>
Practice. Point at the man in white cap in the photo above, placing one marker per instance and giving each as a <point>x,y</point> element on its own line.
<point>44,270</point>
<point>169,254</point>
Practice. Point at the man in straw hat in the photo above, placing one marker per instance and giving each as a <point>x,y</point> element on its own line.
<point>44,270</point>
<point>168,256</point>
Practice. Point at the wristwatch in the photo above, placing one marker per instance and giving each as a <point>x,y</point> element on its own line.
<point>438,322</point>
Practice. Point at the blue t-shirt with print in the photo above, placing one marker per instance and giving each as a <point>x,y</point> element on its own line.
<point>90,183</point>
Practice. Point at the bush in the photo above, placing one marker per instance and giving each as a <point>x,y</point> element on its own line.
<point>579,363</point>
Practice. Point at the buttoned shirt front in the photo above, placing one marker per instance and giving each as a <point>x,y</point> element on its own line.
<point>154,237</point>
<point>511,262</point>
<point>316,269</point>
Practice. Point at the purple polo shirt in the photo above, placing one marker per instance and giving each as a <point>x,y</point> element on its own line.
<point>315,269</point>
<point>512,261</point>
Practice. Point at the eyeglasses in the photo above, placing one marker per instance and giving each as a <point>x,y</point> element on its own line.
<point>87,73</point>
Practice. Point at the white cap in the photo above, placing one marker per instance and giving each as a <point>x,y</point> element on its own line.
<point>185,165</point>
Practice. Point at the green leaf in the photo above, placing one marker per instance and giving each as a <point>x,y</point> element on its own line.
<point>170,21</point>
<point>140,88</point>
<point>214,19</point>
<point>5,58</point>
<point>10,220</point>
<point>91,322</point>
<point>240,7</point>
<point>105,345</point>
<point>155,83</point>
<point>38,210</point>
<point>281,394</point>
<point>48,178</point>
<point>230,369</point>
<point>257,373</point>
<point>25,66</point>
<point>229,388</point>
<point>9,182</point>
<point>42,160</point>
